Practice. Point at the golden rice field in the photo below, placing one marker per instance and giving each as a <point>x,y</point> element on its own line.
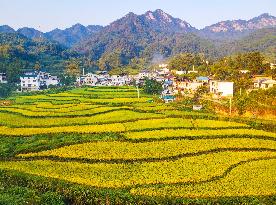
<point>107,138</point>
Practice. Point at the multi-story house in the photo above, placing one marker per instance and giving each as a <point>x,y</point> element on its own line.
<point>222,88</point>
<point>267,84</point>
<point>88,79</point>
<point>262,81</point>
<point>30,82</point>
<point>34,81</point>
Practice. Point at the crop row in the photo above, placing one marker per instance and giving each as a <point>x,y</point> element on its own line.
<point>64,112</point>
<point>115,115</point>
<point>179,123</point>
<point>116,127</point>
<point>133,121</point>
<point>116,150</point>
<point>182,133</point>
<point>256,178</point>
<point>185,170</point>
<point>55,108</point>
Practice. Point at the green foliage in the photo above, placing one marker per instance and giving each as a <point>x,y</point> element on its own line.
<point>152,133</point>
<point>18,53</point>
<point>199,93</point>
<point>186,61</point>
<point>241,102</point>
<point>51,198</point>
<point>228,68</point>
<point>6,90</point>
<point>152,87</point>
<point>262,40</point>
<point>72,68</point>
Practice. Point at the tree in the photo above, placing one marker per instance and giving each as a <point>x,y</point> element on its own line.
<point>67,80</point>
<point>182,61</point>
<point>152,87</point>
<point>37,66</point>
<point>111,60</point>
<point>241,102</point>
<point>72,68</point>
<point>199,93</point>
<point>186,61</point>
<point>5,90</point>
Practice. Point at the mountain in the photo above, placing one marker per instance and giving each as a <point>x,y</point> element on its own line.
<point>158,21</point>
<point>163,22</point>
<point>18,52</point>
<point>67,37</point>
<point>135,36</point>
<point>94,28</point>
<point>30,33</point>
<point>142,38</point>
<point>72,35</point>
<point>263,40</point>
<point>238,28</point>
<point>6,29</point>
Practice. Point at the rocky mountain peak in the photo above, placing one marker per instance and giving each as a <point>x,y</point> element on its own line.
<point>263,21</point>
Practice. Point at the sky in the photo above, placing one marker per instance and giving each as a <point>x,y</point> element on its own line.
<point>46,15</point>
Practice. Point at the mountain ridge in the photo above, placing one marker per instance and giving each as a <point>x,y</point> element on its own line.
<point>136,39</point>
<point>157,20</point>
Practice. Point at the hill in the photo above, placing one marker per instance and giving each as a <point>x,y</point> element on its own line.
<point>263,40</point>
<point>143,36</point>
<point>72,35</point>
<point>236,29</point>
<point>139,40</point>
<point>19,53</point>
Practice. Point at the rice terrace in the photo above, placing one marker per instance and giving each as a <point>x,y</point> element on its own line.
<point>103,145</point>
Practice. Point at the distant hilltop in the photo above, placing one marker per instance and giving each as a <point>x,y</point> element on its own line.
<point>157,20</point>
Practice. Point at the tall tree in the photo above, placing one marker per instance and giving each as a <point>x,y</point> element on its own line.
<point>72,68</point>
<point>152,87</point>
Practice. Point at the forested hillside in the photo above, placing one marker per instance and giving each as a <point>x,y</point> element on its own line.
<point>135,42</point>
<point>263,40</point>
<point>18,53</point>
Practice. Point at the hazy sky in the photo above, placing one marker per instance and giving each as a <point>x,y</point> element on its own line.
<point>46,15</point>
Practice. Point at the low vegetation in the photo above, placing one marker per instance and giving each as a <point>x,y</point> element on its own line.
<point>105,146</point>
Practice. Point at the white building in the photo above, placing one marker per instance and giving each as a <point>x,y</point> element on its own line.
<point>222,88</point>
<point>180,72</point>
<point>163,71</point>
<point>188,86</point>
<point>34,81</point>
<point>30,82</point>
<point>267,84</point>
<point>46,79</point>
<point>244,71</point>
<point>88,79</point>
<point>51,80</point>
<point>117,80</point>
<point>3,78</point>
<point>146,74</point>
<point>263,82</point>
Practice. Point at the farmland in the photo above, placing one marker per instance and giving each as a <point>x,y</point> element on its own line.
<point>105,146</point>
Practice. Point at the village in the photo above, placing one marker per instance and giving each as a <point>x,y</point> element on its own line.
<point>171,80</point>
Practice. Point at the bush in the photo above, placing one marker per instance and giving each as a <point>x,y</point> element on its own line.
<point>152,87</point>
<point>5,90</point>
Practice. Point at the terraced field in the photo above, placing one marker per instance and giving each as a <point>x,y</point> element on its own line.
<point>108,139</point>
